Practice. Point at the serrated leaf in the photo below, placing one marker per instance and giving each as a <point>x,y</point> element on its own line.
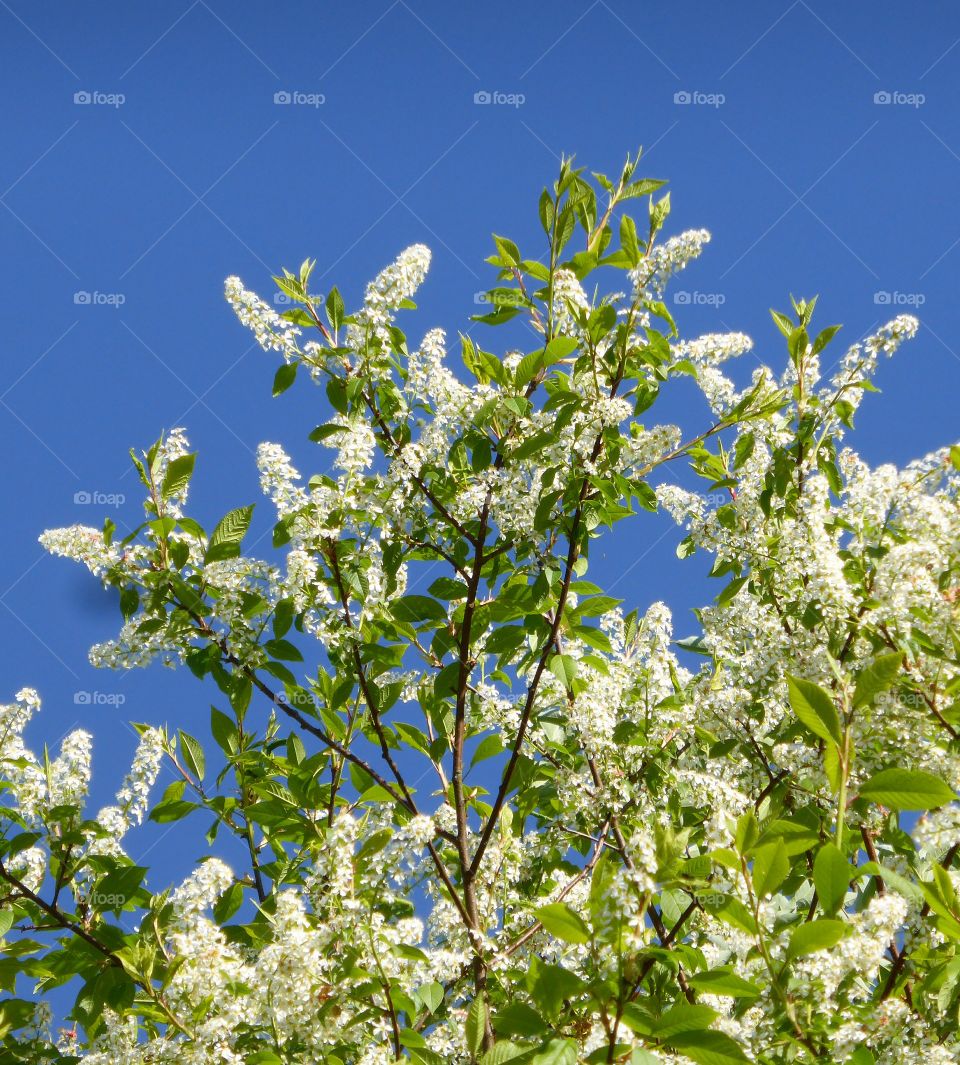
<point>557,1052</point>
<point>683,1018</point>
<point>709,1048</point>
<point>284,377</point>
<point>814,707</point>
<point>431,995</point>
<point>907,789</point>
<point>226,537</point>
<point>335,308</point>
<point>416,608</point>
<point>192,754</point>
<point>724,982</point>
<point>476,1025</point>
<point>812,936</point>
<point>178,474</point>
<point>876,678</point>
<point>771,864</point>
<point>564,668</point>
<point>502,1051</point>
<point>831,877</point>
<point>560,921</point>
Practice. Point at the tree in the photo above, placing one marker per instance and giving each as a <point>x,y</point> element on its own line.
<point>498,818</point>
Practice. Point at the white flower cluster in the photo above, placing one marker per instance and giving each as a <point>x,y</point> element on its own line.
<point>385,294</point>
<point>666,260</point>
<point>614,881</point>
<point>272,333</point>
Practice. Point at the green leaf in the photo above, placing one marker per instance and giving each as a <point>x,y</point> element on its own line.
<point>907,789</point>
<point>335,308</point>
<point>228,903</point>
<point>417,608</point>
<point>528,368</point>
<point>814,707</point>
<point>115,890</point>
<point>643,187</point>
<point>284,377</point>
<point>560,921</point>
<point>508,251</point>
<point>564,668</point>
<point>502,1051</point>
<point>708,1048</point>
<point>876,678</point>
<point>517,1018</point>
<point>771,864</point>
<point>552,985</point>
<point>283,650</point>
<point>557,1052</point>
<point>323,432</point>
<point>178,475</point>
<point>729,593</point>
<point>224,730</point>
<point>192,754</point>
<point>724,982</point>
<point>431,995</point>
<point>824,337</point>
<point>476,1025</point>
<point>489,747</point>
<point>683,1018</point>
<point>733,912</point>
<point>831,877</point>
<point>559,348</point>
<point>783,323</point>
<point>226,537</point>
<point>129,601</point>
<point>812,936</point>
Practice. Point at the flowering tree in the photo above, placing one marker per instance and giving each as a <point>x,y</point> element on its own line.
<point>498,818</point>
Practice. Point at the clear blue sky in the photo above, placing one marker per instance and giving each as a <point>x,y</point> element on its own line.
<point>806,182</point>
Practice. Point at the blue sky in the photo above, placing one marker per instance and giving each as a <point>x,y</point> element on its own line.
<point>146,157</point>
